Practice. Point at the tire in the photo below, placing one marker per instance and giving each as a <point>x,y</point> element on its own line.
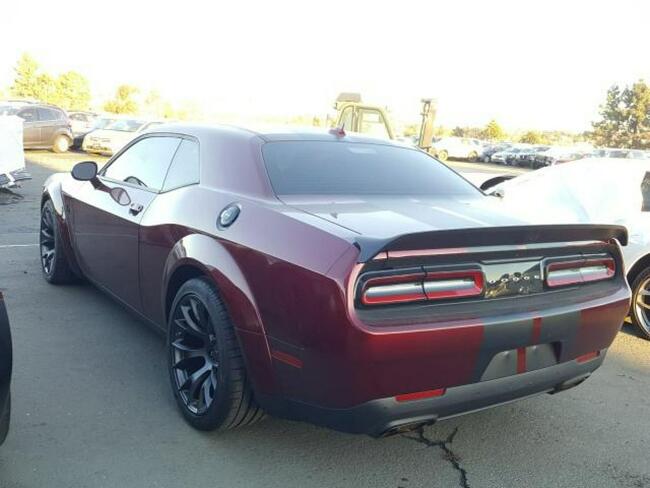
<point>54,262</point>
<point>640,307</point>
<point>5,419</point>
<point>61,144</point>
<point>443,155</point>
<point>472,157</point>
<point>206,367</point>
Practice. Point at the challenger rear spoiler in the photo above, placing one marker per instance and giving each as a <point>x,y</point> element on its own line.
<point>490,236</point>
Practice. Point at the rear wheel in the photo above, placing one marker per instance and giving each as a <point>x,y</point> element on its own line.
<point>640,309</point>
<point>54,262</point>
<point>61,144</point>
<point>5,419</point>
<point>443,155</point>
<point>206,366</point>
<point>473,156</point>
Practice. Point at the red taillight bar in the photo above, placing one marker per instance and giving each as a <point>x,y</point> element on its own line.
<point>432,285</point>
<point>420,395</point>
<point>563,273</point>
<point>453,284</point>
<point>393,289</point>
<point>588,357</point>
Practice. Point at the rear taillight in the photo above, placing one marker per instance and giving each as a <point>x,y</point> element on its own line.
<point>563,273</point>
<point>393,289</point>
<point>430,285</point>
<point>453,284</point>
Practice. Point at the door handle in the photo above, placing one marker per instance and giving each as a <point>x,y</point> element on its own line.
<point>135,208</point>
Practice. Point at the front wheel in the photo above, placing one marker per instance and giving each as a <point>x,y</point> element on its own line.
<point>472,157</point>
<point>443,155</point>
<point>206,367</point>
<point>640,308</point>
<point>54,262</point>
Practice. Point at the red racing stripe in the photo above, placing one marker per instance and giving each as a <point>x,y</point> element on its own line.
<point>537,330</point>
<point>521,360</point>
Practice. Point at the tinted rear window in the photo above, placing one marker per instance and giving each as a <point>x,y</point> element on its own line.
<point>342,168</point>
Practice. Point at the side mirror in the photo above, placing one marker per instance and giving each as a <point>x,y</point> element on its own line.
<point>85,171</point>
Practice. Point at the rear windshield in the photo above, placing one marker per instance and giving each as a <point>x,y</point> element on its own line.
<point>343,168</point>
<point>125,125</point>
<point>8,110</point>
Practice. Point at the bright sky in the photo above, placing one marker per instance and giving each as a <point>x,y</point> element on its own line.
<point>529,64</point>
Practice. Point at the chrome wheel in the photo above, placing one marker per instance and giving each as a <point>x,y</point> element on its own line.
<point>46,241</point>
<point>642,304</point>
<point>194,355</point>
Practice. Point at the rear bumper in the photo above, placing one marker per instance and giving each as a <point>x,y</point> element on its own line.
<point>387,415</point>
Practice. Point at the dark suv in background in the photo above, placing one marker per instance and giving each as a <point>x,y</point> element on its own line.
<point>45,127</point>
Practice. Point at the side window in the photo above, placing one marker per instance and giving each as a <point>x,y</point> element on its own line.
<point>372,122</point>
<point>184,169</point>
<point>45,114</point>
<point>145,163</point>
<point>28,115</point>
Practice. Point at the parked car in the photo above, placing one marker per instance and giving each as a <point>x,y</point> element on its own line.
<point>556,155</point>
<point>491,149</point>
<point>638,154</point>
<point>526,158</point>
<point>100,122</point>
<point>6,362</point>
<point>597,190</point>
<point>400,298</point>
<point>45,126</point>
<point>115,135</point>
<point>509,156</point>
<point>82,122</point>
<point>457,147</point>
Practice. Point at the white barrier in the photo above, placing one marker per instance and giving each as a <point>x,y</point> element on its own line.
<point>12,156</point>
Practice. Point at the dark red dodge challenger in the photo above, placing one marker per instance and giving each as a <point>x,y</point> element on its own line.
<point>350,282</point>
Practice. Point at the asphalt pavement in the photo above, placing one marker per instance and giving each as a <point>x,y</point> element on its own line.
<point>92,406</point>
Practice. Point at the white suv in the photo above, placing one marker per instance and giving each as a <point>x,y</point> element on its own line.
<point>457,147</point>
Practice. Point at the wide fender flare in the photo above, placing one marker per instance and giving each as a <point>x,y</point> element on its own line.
<point>214,260</point>
<point>52,190</point>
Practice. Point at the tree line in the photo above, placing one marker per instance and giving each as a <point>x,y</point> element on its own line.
<point>71,91</point>
<point>624,117</point>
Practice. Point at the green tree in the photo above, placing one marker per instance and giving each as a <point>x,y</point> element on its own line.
<point>637,101</point>
<point>624,118</point>
<point>532,137</point>
<point>45,89</point>
<point>473,132</point>
<point>69,90</point>
<point>411,130</point>
<point>73,91</point>
<point>123,103</point>
<point>493,131</point>
<point>25,82</point>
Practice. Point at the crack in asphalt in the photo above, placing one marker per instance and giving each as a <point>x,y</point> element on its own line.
<point>444,445</point>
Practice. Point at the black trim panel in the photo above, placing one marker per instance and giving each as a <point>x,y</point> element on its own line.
<point>382,416</point>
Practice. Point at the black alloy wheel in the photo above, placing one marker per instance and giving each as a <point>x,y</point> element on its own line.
<point>206,366</point>
<point>47,242</point>
<point>54,262</point>
<point>194,355</point>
